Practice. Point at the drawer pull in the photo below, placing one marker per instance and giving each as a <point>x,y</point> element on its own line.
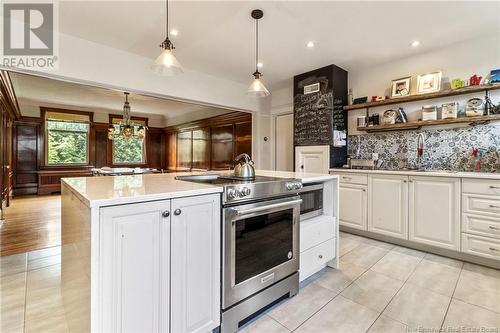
<point>493,186</point>
<point>494,206</point>
<point>320,256</point>
<point>494,228</point>
<point>344,177</point>
<point>493,249</point>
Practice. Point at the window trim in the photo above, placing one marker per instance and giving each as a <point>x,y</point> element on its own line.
<point>144,163</point>
<point>44,138</point>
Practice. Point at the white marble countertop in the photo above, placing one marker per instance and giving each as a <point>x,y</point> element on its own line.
<point>117,190</point>
<point>437,173</point>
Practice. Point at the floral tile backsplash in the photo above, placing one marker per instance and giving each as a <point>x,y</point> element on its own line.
<point>443,148</point>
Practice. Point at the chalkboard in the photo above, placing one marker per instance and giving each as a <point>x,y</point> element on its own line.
<point>319,117</point>
<point>313,119</point>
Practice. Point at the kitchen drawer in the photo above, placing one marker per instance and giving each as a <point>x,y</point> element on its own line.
<point>481,225</point>
<point>353,178</point>
<point>313,259</point>
<point>481,204</point>
<point>481,246</point>
<point>481,186</point>
<point>315,231</point>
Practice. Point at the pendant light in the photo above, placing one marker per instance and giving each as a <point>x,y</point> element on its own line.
<point>257,88</point>
<point>166,64</point>
<point>126,126</point>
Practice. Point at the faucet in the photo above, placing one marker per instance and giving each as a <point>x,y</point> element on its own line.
<point>420,148</point>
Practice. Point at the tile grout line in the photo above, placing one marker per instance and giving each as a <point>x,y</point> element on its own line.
<point>451,298</point>
<point>347,286</point>
<point>25,293</point>
<point>278,322</point>
<point>397,292</point>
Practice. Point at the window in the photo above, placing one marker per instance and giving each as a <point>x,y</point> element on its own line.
<point>66,138</point>
<point>131,150</point>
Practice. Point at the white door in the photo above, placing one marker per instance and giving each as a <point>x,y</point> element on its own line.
<point>196,251</point>
<point>135,245</point>
<point>353,207</point>
<point>284,142</point>
<point>388,205</point>
<point>434,205</point>
<point>312,159</point>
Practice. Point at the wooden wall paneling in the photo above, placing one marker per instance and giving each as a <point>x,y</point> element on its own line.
<point>222,150</point>
<point>100,144</point>
<point>184,150</point>
<point>155,148</point>
<point>201,149</point>
<point>243,138</point>
<point>171,147</point>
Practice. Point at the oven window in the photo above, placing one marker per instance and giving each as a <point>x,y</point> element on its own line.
<point>311,201</point>
<point>263,242</point>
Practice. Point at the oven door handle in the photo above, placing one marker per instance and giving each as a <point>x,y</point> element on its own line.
<point>267,207</point>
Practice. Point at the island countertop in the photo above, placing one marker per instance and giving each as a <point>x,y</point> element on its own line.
<point>117,190</point>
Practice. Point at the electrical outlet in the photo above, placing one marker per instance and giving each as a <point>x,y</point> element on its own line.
<point>375,156</point>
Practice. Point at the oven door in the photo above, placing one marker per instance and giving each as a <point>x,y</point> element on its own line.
<point>260,246</point>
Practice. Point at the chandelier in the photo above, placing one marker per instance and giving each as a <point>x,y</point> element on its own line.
<point>126,128</point>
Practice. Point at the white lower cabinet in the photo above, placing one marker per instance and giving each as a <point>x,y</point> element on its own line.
<point>388,205</point>
<point>353,207</point>
<point>434,211</point>
<point>160,266</point>
<point>195,280</point>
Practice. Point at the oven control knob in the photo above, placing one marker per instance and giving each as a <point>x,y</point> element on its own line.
<point>299,186</point>
<point>244,192</point>
<point>289,186</point>
<point>231,193</point>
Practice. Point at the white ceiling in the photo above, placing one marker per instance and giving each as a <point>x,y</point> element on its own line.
<point>217,37</point>
<point>33,90</point>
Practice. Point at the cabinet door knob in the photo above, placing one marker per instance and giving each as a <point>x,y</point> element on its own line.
<point>320,256</point>
<point>177,212</point>
<point>165,213</point>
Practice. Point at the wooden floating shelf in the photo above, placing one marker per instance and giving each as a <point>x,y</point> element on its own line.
<point>419,124</point>
<point>414,98</point>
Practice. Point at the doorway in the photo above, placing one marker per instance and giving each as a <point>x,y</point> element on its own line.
<point>284,142</point>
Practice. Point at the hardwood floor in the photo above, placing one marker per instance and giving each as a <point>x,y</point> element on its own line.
<point>31,223</point>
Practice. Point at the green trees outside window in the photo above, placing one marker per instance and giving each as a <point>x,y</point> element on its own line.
<point>67,142</point>
<point>128,151</point>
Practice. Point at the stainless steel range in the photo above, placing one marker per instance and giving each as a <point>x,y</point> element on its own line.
<point>260,243</point>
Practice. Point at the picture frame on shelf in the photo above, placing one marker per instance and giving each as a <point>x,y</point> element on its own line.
<point>429,83</point>
<point>401,87</point>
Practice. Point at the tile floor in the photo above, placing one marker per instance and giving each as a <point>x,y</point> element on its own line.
<point>379,288</point>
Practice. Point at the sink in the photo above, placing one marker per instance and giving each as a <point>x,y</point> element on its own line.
<point>198,178</point>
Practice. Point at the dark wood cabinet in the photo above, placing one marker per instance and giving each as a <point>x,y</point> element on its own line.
<point>26,133</point>
<point>201,149</point>
<point>209,144</point>
<point>184,150</point>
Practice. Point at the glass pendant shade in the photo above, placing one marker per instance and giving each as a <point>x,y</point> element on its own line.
<point>111,132</point>
<point>141,132</point>
<point>127,131</point>
<point>258,89</point>
<point>166,64</point>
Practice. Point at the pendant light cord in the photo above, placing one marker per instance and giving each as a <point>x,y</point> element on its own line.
<point>256,45</point>
<point>166,12</point>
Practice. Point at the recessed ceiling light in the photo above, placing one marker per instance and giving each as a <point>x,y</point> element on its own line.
<point>174,32</point>
<point>415,43</point>
<point>310,44</point>
<point>259,64</point>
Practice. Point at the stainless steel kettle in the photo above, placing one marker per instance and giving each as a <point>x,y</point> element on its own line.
<point>244,167</point>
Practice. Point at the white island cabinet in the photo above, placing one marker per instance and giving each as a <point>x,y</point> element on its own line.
<point>135,261</point>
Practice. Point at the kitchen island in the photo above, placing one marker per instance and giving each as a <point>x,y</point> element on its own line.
<point>143,252</point>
